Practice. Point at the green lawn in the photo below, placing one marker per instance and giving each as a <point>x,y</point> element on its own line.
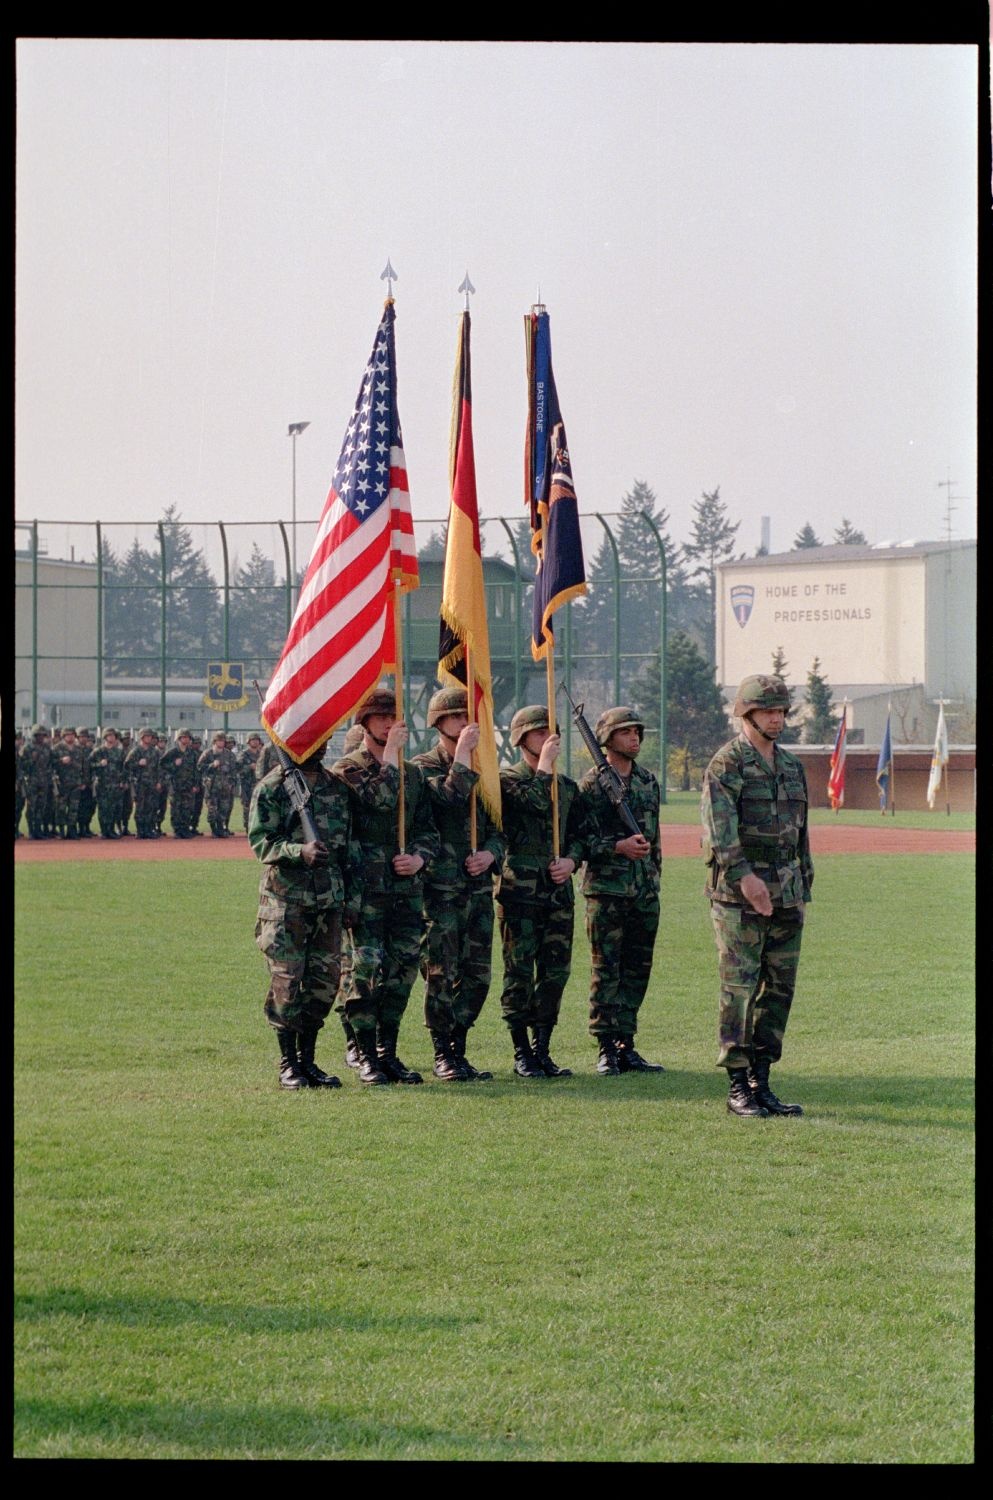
<point>583,1269</point>
<point>684,807</point>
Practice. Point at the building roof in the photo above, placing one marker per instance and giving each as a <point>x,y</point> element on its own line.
<point>806,556</point>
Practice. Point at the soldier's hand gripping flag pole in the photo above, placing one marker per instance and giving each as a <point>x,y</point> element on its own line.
<point>551,500</point>
<point>464,643</point>
<point>345,630</point>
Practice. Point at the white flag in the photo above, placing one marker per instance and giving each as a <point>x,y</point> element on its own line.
<point>939,758</point>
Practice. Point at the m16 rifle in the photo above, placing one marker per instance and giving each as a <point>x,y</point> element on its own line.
<point>296,785</point>
<point>610,783</point>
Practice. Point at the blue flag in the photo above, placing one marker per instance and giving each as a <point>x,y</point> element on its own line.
<point>550,496</point>
<point>884,767</point>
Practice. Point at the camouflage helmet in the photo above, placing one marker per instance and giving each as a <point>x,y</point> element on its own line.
<point>218,735</point>
<point>147,729</point>
<point>761,691</point>
<point>447,700</point>
<point>254,736</point>
<point>39,729</point>
<point>380,701</point>
<point>353,739</point>
<point>534,716</point>
<point>616,718</point>
<point>81,730</point>
<point>181,732</point>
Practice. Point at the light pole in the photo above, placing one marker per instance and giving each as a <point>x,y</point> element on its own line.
<point>294,430</point>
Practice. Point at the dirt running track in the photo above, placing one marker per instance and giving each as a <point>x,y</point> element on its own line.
<point>679,841</point>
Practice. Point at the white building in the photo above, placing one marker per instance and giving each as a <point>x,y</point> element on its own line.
<point>887,624</point>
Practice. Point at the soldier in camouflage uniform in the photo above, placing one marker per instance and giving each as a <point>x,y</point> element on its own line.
<point>246,774</point>
<point>87,804</point>
<point>69,766</point>
<point>386,936</point>
<point>36,774</point>
<point>162,745</point>
<point>142,767</point>
<point>535,899</point>
<point>219,773</point>
<point>127,799</point>
<point>19,797</point>
<point>458,890</point>
<point>621,886</point>
<point>754,810</point>
<point>179,766</point>
<point>109,780</point>
<point>353,739</point>
<point>307,892</point>
<point>266,761</point>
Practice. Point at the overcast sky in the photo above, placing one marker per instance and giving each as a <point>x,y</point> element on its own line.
<point>759,262</point>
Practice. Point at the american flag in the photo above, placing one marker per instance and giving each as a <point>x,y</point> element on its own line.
<point>341,640</point>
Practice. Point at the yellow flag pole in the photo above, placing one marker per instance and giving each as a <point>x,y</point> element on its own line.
<point>470,698</point>
<point>550,681</point>
<point>401,712</point>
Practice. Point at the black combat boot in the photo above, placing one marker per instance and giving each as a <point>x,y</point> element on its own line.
<point>369,1069</point>
<point>526,1065</point>
<point>314,1075</point>
<point>476,1075</point>
<point>606,1064</point>
<point>352,1059</point>
<point>386,1050</point>
<point>758,1079</point>
<point>446,1065</point>
<point>542,1037</point>
<point>291,1076</point>
<point>630,1061</point>
<point>740,1100</point>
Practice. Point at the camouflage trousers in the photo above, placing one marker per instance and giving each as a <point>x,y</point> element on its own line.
<point>219,805</point>
<point>87,807</point>
<point>456,955</point>
<point>67,812</point>
<point>621,930</point>
<point>183,805</point>
<point>302,946</point>
<point>146,810</point>
<point>386,948</point>
<point>110,809</point>
<point>757,960</point>
<point>537,953</point>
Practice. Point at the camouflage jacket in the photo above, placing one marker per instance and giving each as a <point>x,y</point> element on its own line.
<point>267,758</point>
<point>142,766</point>
<point>607,873</point>
<point>69,767</point>
<point>527,827</point>
<point>449,784</point>
<point>107,767</point>
<point>755,821</point>
<point>374,790</point>
<point>246,771</point>
<point>276,836</point>
<point>36,766</point>
<point>181,767</point>
<point>218,770</point>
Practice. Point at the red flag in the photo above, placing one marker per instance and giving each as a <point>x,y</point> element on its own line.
<point>341,639</point>
<point>836,780</point>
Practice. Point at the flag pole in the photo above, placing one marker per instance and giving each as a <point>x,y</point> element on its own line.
<point>550,689</point>
<point>470,699</point>
<point>401,710</point>
<point>892,763</point>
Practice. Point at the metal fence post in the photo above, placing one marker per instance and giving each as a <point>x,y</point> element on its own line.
<point>164,639</point>
<point>99,626</point>
<point>663,646</point>
<point>617,607</point>
<point>227,607</point>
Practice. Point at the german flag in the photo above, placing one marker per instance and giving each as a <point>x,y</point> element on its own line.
<point>464,625</point>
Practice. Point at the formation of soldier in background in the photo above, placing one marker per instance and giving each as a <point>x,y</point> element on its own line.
<point>349,920</point>
<point>66,777</point>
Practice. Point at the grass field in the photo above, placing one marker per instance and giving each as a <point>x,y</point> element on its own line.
<point>579,1270</point>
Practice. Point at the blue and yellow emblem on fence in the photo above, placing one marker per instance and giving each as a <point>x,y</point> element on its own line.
<point>225,686</point>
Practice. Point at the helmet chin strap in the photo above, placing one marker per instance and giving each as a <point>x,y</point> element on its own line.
<point>769,738</point>
<point>374,737</point>
<point>443,734</point>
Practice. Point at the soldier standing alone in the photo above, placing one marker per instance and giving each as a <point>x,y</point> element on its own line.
<point>621,886</point>
<point>754,810</point>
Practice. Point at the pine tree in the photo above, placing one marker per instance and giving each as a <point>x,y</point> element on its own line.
<point>696,719</point>
<point>640,568</point>
<point>713,543</point>
<point>820,725</point>
<point>848,536</point>
<point>780,666</point>
<point>193,610</point>
<point>256,615</point>
<point>434,548</point>
<point>806,537</point>
<point>132,624</point>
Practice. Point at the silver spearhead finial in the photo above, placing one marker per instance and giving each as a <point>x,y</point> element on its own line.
<point>467,287</point>
<point>389,276</point>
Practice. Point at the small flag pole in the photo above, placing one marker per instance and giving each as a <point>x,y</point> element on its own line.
<point>470,690</point>
<point>401,708</point>
<point>550,689</point>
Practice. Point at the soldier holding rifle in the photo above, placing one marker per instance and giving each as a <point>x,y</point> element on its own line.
<point>621,885</point>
